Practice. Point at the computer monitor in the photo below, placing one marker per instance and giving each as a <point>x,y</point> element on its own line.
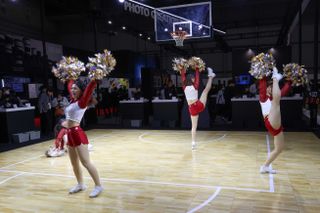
<point>242,79</point>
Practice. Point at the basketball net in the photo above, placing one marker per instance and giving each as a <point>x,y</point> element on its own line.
<point>179,36</point>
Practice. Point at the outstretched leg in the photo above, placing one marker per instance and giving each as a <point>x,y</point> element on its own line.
<point>275,114</point>
<point>275,121</point>
<point>204,95</point>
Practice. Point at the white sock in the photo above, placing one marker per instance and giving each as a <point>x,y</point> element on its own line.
<point>193,145</point>
<point>276,74</point>
<point>210,72</point>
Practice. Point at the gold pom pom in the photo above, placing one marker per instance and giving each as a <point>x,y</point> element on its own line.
<point>180,64</point>
<point>101,65</point>
<point>262,65</point>
<point>295,73</point>
<point>68,68</point>
<point>197,63</point>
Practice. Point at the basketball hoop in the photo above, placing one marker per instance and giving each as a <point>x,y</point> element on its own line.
<point>179,36</point>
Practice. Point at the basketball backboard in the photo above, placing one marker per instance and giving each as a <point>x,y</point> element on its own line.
<point>195,19</point>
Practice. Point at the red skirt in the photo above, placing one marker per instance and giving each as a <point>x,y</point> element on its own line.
<point>271,130</point>
<point>76,136</point>
<point>196,108</point>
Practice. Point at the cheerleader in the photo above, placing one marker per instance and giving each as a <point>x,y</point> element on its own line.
<point>58,149</point>
<point>77,140</point>
<point>190,87</point>
<point>269,97</point>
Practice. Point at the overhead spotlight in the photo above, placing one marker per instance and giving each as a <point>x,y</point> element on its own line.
<point>140,34</point>
<point>166,29</point>
<point>204,33</point>
<point>149,38</point>
<point>121,1</point>
<point>124,27</point>
<point>200,27</point>
<point>109,22</point>
<point>180,28</point>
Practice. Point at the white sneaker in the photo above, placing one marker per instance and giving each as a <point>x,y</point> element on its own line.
<point>52,152</point>
<point>193,147</point>
<point>90,147</point>
<point>60,153</point>
<point>266,169</point>
<point>276,74</point>
<point>77,188</point>
<point>210,72</point>
<point>96,191</point>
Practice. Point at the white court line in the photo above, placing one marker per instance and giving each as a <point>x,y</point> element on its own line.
<point>141,181</point>
<point>115,179</point>
<point>201,142</point>
<point>39,156</point>
<point>212,197</point>
<point>243,189</point>
<point>26,160</point>
<point>271,182</point>
<point>10,178</point>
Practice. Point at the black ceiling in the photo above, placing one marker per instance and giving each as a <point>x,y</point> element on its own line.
<point>227,14</point>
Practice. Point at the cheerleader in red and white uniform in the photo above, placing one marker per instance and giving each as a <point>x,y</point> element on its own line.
<point>190,87</point>
<point>59,148</point>
<point>77,140</point>
<point>270,96</point>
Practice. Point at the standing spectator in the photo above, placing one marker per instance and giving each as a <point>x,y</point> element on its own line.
<point>59,103</point>
<point>228,94</point>
<point>50,112</point>
<point>170,90</point>
<point>43,105</point>
<point>220,102</point>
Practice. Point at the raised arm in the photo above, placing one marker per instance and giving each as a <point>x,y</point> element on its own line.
<point>183,78</point>
<point>263,89</point>
<point>86,96</point>
<point>197,79</point>
<point>286,88</point>
<point>70,83</point>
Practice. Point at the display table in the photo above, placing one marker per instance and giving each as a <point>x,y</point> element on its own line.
<point>246,113</point>
<point>137,110</point>
<point>165,110</point>
<point>15,120</point>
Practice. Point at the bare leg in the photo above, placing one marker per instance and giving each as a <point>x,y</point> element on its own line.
<point>194,123</point>
<point>205,92</point>
<point>275,114</point>
<point>278,147</point>
<point>275,121</point>
<point>74,159</point>
<point>84,157</point>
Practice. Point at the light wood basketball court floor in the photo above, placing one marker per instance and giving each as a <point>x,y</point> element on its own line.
<point>156,171</point>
